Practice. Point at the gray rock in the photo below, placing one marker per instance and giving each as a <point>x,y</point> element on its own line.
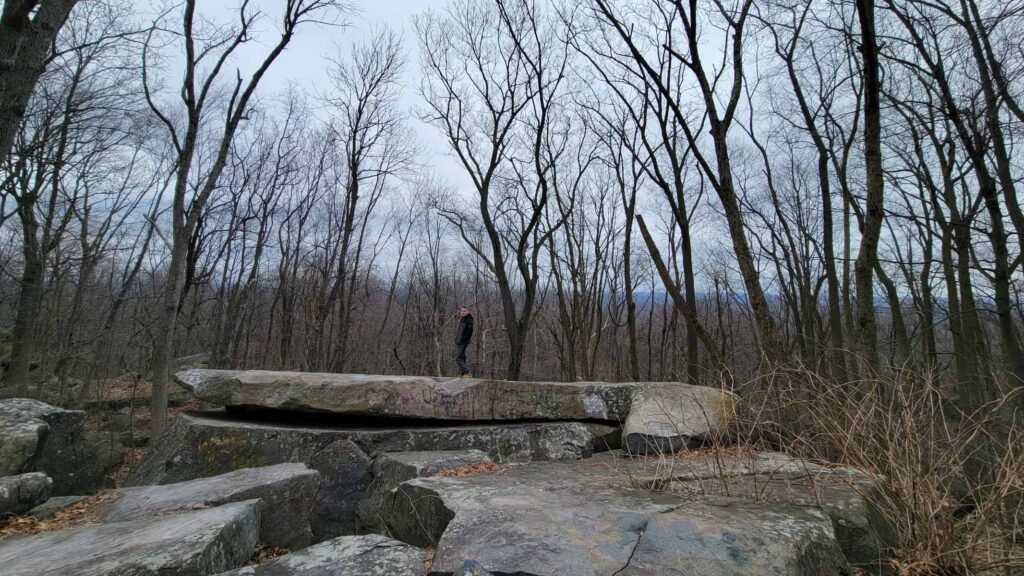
<point>196,543</point>
<point>473,568</point>
<point>20,439</point>
<point>413,396</point>
<point>666,419</point>
<point>369,555</point>
<point>849,498</point>
<point>286,493</point>
<point>726,538</point>
<point>204,444</point>
<point>587,517</point>
<point>38,437</point>
<point>118,421</point>
<point>61,391</point>
<point>200,360</point>
<point>23,492</point>
<point>344,476</point>
<point>197,447</point>
<point>393,468</point>
<point>110,451</point>
<point>53,505</point>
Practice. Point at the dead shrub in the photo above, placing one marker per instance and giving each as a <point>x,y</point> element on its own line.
<point>951,484</point>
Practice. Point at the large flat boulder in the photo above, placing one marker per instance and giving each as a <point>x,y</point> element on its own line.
<point>414,396</point>
<point>591,517</point>
<point>286,492</point>
<point>38,437</point>
<point>367,555</point>
<point>392,468</point>
<point>195,543</point>
<point>23,492</point>
<point>665,419</point>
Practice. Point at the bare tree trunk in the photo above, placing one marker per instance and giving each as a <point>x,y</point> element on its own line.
<point>867,257</point>
<point>23,344</point>
<point>28,29</point>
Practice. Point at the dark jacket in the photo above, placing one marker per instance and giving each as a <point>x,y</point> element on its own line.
<point>465,331</point>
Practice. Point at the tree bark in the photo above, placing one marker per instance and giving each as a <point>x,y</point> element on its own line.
<point>867,257</point>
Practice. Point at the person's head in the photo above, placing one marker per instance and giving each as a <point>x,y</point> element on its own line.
<point>463,311</point>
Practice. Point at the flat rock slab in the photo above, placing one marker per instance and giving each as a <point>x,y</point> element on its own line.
<point>196,543</point>
<point>23,492</point>
<point>198,445</point>
<point>368,555</point>
<point>38,437</point>
<point>416,396</point>
<point>591,518</point>
<point>392,468</point>
<point>287,493</point>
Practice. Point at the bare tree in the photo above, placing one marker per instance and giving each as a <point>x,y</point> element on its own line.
<point>490,73</point>
<point>719,118</point>
<point>375,147</point>
<point>28,29</point>
<point>206,55</point>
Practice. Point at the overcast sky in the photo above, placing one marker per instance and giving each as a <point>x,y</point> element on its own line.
<point>305,61</point>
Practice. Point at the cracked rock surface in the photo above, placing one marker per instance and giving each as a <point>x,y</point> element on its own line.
<point>369,555</point>
<point>604,516</point>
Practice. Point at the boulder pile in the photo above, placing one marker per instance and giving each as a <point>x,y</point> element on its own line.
<point>392,475</point>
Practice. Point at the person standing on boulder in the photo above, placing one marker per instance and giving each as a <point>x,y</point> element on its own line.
<point>462,337</point>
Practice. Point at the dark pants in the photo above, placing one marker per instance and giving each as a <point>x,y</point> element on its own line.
<point>460,358</point>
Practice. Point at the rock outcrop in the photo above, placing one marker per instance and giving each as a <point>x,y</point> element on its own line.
<point>570,502</point>
<point>199,445</point>
<point>392,468</point>
<point>23,492</point>
<point>369,555</point>
<point>38,437</point>
<point>195,543</point>
<point>286,494</point>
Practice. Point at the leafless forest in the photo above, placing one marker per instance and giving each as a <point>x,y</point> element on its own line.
<point>650,190</point>
<point>812,202</point>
